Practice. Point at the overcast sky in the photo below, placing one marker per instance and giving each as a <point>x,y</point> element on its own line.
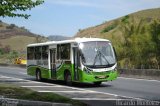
<point>66,17</point>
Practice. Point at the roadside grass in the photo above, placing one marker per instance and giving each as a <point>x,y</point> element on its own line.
<point>12,91</point>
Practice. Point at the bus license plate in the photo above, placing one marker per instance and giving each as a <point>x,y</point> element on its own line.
<point>101,77</point>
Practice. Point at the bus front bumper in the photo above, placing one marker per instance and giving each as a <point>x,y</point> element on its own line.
<point>100,76</point>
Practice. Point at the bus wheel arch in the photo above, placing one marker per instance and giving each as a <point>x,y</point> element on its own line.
<point>38,74</point>
<point>68,77</point>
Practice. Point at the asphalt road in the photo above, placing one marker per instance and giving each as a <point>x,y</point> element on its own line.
<point>122,88</point>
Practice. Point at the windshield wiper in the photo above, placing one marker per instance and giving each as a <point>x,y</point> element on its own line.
<point>100,54</point>
<point>95,59</point>
<point>104,57</point>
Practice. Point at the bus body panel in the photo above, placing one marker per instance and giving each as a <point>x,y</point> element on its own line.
<point>83,76</point>
<point>45,73</point>
<point>60,72</point>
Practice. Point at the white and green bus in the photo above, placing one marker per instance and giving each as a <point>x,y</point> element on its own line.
<point>88,60</point>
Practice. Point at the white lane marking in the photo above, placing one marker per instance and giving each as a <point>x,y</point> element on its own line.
<point>16,79</point>
<point>68,91</point>
<point>83,91</point>
<point>4,77</point>
<point>87,90</point>
<point>139,79</point>
<point>29,82</point>
<point>23,73</point>
<point>118,95</point>
<point>11,68</point>
<point>52,84</point>
<point>41,86</point>
<point>99,99</point>
<point>8,78</point>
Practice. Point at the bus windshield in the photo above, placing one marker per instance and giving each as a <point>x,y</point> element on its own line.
<point>97,54</point>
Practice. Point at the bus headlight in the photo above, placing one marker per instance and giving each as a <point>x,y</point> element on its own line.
<point>115,69</point>
<point>87,70</point>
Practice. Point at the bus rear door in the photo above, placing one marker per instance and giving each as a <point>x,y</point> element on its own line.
<point>76,63</point>
<point>53,63</point>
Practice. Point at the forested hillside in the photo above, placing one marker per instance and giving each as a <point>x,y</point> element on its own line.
<point>136,38</point>
<point>13,41</point>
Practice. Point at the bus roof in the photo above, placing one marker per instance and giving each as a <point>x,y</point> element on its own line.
<point>78,40</point>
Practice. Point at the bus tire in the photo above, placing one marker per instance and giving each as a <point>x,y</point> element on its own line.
<point>98,83</point>
<point>38,75</point>
<point>68,78</point>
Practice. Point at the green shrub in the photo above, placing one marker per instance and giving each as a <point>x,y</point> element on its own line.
<point>11,26</point>
<point>125,19</point>
<point>1,51</point>
<point>1,25</point>
<point>109,28</point>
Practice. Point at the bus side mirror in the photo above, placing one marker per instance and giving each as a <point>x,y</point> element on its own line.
<point>115,52</point>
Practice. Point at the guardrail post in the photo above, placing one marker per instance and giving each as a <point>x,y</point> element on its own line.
<point>149,67</point>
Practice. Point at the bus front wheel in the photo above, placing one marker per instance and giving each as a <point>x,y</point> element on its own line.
<point>68,79</point>
<point>38,76</point>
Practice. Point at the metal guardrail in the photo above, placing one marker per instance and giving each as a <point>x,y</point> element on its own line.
<point>147,72</point>
<point>13,65</point>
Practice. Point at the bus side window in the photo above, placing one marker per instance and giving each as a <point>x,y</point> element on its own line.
<point>30,53</point>
<point>38,51</point>
<point>44,52</point>
<point>63,51</point>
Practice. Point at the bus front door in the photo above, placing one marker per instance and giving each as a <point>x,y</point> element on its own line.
<point>76,63</point>
<point>53,63</point>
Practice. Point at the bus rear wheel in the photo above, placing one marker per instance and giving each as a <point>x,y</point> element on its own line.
<point>38,76</point>
<point>97,83</point>
<point>68,79</point>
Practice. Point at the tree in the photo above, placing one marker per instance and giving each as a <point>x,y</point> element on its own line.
<point>12,55</point>
<point>1,51</point>
<point>137,44</point>
<point>10,7</point>
<point>7,49</point>
<point>11,26</point>
<point>155,33</point>
<point>39,39</point>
